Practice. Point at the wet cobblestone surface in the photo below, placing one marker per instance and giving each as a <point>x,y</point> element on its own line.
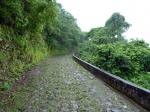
<point>59,84</point>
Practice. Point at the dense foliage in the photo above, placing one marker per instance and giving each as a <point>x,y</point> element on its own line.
<point>64,32</point>
<point>107,49</point>
<point>29,29</point>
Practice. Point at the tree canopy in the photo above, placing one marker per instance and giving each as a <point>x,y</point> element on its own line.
<point>29,29</point>
<point>117,25</point>
<point>109,50</point>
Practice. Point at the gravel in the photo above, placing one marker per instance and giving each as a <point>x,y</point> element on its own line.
<point>61,85</point>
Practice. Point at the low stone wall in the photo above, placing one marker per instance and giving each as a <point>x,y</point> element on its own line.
<point>136,93</point>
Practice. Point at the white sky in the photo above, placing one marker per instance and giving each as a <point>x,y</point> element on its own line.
<point>94,13</point>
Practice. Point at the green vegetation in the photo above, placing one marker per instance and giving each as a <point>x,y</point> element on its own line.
<point>106,48</point>
<point>5,86</point>
<point>29,31</point>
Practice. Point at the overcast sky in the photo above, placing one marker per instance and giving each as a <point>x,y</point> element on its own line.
<point>94,13</point>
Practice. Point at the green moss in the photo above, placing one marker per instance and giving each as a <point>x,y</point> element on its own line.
<point>5,86</point>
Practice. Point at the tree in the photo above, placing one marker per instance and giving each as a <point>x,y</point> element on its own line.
<point>64,33</point>
<point>111,32</point>
<point>109,50</point>
<point>117,25</point>
<point>29,29</point>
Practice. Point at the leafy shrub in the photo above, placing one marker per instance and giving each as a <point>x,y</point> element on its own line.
<point>5,86</point>
<point>108,50</point>
<point>29,29</point>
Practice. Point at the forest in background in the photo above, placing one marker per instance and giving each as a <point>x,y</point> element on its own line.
<point>31,30</point>
<point>107,48</point>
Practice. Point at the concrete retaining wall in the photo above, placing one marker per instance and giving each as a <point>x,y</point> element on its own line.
<point>136,93</point>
